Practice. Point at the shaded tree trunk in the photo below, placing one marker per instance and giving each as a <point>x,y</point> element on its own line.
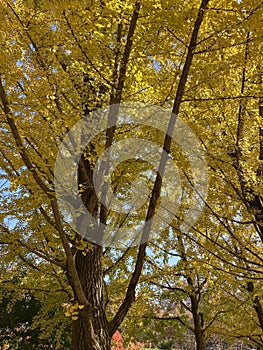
<point>90,330</point>
<point>197,316</point>
<point>256,304</point>
<point>198,324</point>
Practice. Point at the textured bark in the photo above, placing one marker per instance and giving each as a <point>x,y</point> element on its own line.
<point>198,327</point>
<point>256,304</point>
<point>90,331</point>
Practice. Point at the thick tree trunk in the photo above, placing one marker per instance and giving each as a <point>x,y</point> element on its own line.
<point>90,330</point>
<point>256,304</point>
<point>198,327</point>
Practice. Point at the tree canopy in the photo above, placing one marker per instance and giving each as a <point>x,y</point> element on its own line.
<point>196,69</point>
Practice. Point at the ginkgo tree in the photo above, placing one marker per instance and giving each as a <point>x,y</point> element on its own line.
<point>62,61</point>
<point>227,115</point>
<point>236,158</point>
<point>232,117</point>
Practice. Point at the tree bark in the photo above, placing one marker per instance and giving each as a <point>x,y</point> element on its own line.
<point>90,330</point>
<point>198,327</point>
<point>256,304</point>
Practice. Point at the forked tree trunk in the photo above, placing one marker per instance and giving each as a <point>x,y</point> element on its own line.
<point>198,327</point>
<point>90,330</point>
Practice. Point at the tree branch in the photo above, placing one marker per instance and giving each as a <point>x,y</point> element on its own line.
<point>130,294</point>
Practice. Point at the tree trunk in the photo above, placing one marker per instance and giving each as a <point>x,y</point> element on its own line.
<point>198,327</point>
<point>256,304</point>
<point>90,330</point>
